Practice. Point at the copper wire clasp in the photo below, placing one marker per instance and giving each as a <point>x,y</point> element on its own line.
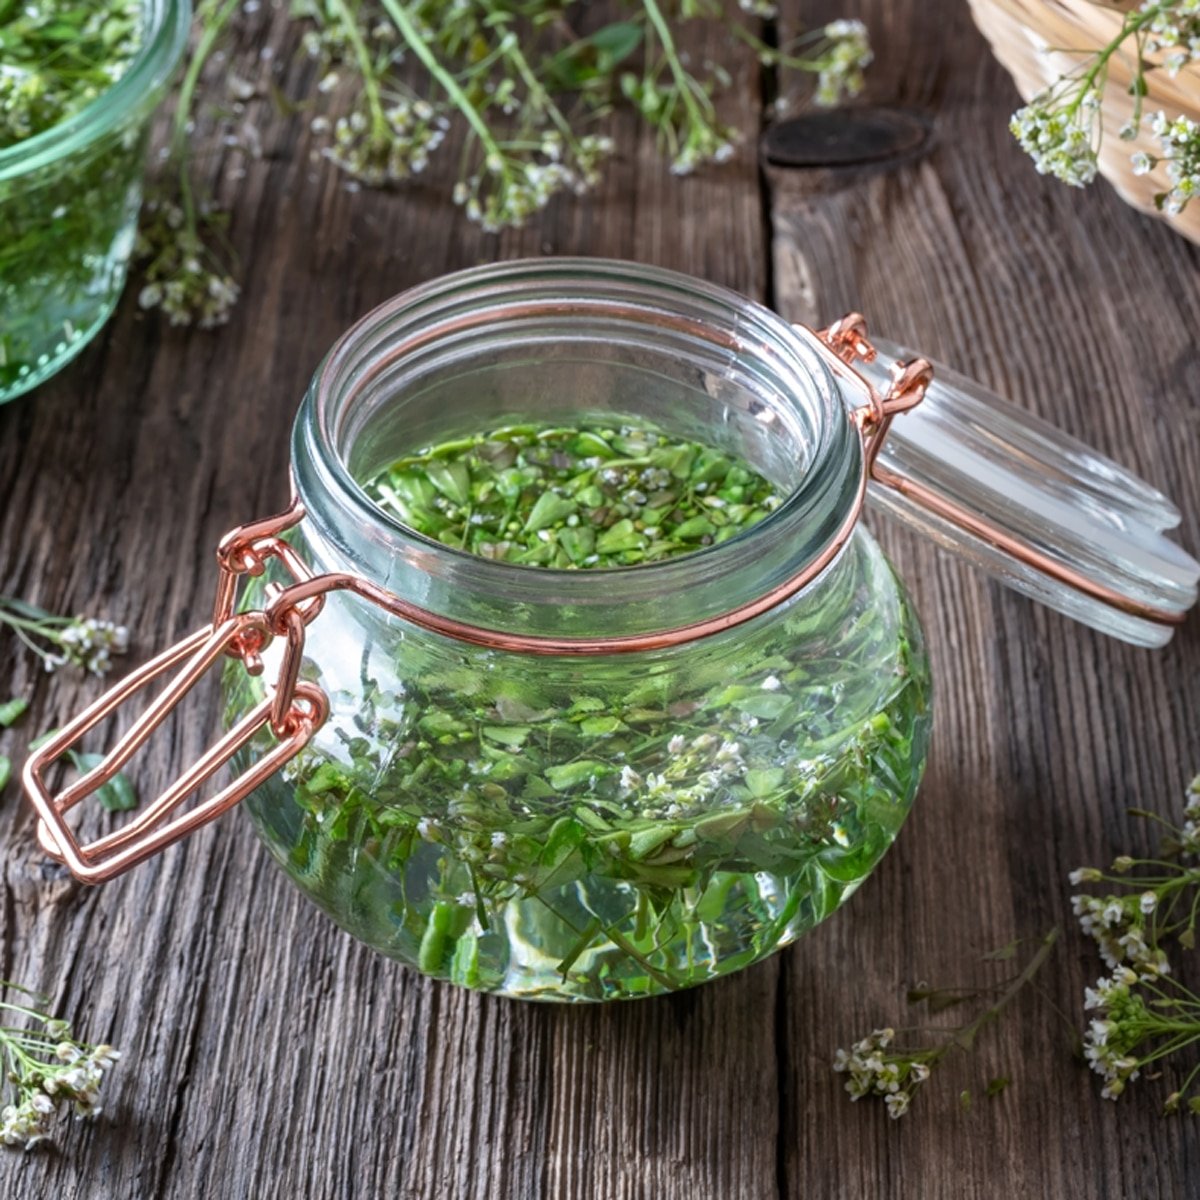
<point>847,338</point>
<point>246,550</point>
<point>294,710</point>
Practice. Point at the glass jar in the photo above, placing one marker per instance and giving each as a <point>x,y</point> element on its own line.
<point>69,200</point>
<point>601,784</point>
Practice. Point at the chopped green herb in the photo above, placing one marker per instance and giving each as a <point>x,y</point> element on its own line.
<point>12,710</point>
<point>576,497</point>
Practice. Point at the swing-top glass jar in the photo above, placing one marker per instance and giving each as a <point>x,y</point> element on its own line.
<point>587,784</point>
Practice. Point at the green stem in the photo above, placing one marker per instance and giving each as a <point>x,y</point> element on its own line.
<point>965,1037</point>
<point>1134,24</point>
<point>512,51</point>
<point>671,54</point>
<point>1187,1083</point>
<point>212,30</point>
<point>366,68</point>
<point>627,948</point>
<point>416,43</point>
<point>779,56</point>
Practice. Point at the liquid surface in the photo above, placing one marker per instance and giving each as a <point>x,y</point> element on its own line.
<point>593,496</point>
<point>601,828</point>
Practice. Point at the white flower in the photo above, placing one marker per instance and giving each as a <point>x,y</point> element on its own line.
<point>841,66</point>
<point>676,744</point>
<point>629,780</point>
<point>771,684</point>
<point>1180,142</point>
<point>1059,139</point>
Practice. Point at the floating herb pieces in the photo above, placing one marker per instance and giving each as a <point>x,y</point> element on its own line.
<point>567,498</point>
<point>605,828</point>
<point>67,215</point>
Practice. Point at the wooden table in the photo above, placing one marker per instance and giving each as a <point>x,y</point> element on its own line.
<point>269,1055</point>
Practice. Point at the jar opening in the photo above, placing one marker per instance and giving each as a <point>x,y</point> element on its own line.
<point>573,341</point>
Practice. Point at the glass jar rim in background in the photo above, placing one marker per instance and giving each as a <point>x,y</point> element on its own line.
<point>749,368</point>
<point>167,25</point>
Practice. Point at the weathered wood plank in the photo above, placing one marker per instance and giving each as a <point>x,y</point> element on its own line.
<point>1046,732</point>
<point>268,1054</point>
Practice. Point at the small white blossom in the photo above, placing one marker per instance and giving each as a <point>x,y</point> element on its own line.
<point>629,780</point>
<point>1059,138</point>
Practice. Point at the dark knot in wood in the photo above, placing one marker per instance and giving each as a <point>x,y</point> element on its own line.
<point>846,137</point>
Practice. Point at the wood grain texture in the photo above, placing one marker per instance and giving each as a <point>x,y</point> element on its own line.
<point>269,1055</point>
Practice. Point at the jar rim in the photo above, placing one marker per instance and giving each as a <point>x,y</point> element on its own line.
<point>756,561</point>
<point>168,22</point>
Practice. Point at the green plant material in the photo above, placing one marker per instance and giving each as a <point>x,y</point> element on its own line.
<point>10,712</point>
<point>877,1067</point>
<point>1061,127</point>
<point>579,497</point>
<point>46,1067</point>
<point>117,795</point>
<point>59,57</point>
<point>65,228</point>
<point>186,260</point>
<point>622,828</point>
<point>83,642</point>
<point>526,85</point>
<point>1141,1016</point>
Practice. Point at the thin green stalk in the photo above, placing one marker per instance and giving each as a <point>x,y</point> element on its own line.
<point>511,48</point>
<point>966,1037</point>
<point>212,30</point>
<point>447,82</point>
<point>366,68</point>
<point>682,81</point>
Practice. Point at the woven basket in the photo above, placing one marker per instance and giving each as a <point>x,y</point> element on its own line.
<point>1038,41</point>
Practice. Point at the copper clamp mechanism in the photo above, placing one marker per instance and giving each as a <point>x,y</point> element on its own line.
<point>294,709</point>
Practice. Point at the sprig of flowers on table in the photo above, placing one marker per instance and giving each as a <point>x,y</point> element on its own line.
<point>1138,1017</point>
<point>1140,1014</point>
<point>877,1066</point>
<point>47,1068</point>
<point>83,642</point>
<point>528,90</point>
<point>1060,128</point>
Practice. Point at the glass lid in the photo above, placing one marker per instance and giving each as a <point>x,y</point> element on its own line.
<point>1035,508</point>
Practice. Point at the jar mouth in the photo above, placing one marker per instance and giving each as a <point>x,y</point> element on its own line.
<point>167,24</point>
<point>700,358</point>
